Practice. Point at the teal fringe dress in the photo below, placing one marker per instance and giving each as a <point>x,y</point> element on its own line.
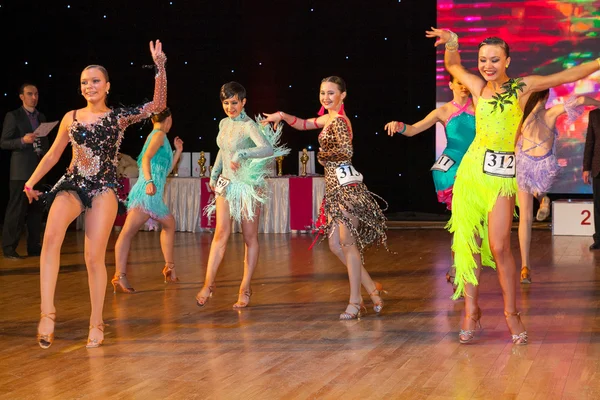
<point>160,166</point>
<point>243,140</point>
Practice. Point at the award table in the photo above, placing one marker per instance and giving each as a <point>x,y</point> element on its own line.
<point>293,204</point>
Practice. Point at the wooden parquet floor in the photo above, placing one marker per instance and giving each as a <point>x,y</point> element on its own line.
<point>289,343</point>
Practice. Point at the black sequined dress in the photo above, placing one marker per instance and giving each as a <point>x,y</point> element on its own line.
<point>96,147</point>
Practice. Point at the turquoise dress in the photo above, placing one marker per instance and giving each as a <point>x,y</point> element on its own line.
<point>160,166</point>
<point>460,132</point>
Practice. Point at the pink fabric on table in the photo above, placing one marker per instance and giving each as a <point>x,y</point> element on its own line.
<point>206,197</point>
<point>301,203</point>
<point>122,192</point>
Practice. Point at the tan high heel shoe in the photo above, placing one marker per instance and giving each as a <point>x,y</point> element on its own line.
<point>243,304</point>
<point>525,274</point>
<point>521,338</point>
<point>95,343</point>
<point>120,281</point>
<point>360,311</point>
<point>377,305</point>
<point>202,300</point>
<point>465,336</point>
<point>168,272</point>
<point>45,339</point>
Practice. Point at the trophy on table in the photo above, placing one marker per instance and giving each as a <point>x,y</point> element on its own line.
<point>304,159</point>
<point>279,165</point>
<point>201,162</point>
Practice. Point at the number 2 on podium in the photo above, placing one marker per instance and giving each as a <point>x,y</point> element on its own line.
<point>585,220</point>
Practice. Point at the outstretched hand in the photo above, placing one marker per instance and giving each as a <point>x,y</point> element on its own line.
<point>156,51</point>
<point>442,35</point>
<point>393,127</point>
<point>275,118</point>
<point>178,144</point>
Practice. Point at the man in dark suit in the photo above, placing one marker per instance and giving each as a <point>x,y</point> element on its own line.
<point>591,169</point>
<point>26,152</point>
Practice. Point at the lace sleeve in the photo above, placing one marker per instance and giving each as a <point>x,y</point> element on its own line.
<point>572,109</point>
<point>262,147</point>
<point>340,148</point>
<point>131,115</point>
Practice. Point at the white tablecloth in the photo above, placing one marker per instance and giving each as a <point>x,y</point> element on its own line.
<point>182,196</point>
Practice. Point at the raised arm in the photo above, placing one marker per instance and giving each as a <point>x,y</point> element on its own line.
<point>52,156</point>
<point>412,130</point>
<point>452,60</point>
<point>537,83</point>
<point>130,116</point>
<point>295,122</point>
<point>178,150</point>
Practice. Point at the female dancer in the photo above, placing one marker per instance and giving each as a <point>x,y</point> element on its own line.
<point>238,180</point>
<point>146,200</point>
<point>353,218</point>
<point>537,166</point>
<point>89,187</point>
<point>485,188</point>
<point>458,118</point>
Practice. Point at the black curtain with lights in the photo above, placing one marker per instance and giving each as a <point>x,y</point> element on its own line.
<point>279,51</point>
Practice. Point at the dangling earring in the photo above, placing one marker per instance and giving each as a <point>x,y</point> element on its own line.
<point>341,111</point>
<point>107,92</point>
<point>321,111</point>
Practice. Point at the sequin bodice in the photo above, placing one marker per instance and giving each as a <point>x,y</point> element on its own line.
<point>96,145</point>
<point>496,127</point>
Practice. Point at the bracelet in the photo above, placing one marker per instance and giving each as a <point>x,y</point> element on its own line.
<point>452,44</point>
<point>27,188</point>
<point>149,181</point>
<point>403,128</point>
<point>294,121</point>
<point>315,123</point>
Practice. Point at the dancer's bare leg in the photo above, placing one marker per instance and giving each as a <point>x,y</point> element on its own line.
<point>135,219</point>
<point>250,232</point>
<point>65,208</point>
<point>167,239</point>
<point>99,220</point>
<point>525,223</point>
<point>218,245</point>
<point>500,223</point>
<point>336,248</point>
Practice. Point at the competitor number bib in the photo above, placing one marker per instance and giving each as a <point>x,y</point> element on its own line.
<point>499,163</point>
<point>347,175</point>
<point>222,183</point>
<point>444,163</point>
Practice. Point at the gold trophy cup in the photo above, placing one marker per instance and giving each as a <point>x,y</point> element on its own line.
<point>201,162</point>
<point>304,159</point>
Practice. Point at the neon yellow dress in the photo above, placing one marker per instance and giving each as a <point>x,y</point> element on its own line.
<point>486,172</point>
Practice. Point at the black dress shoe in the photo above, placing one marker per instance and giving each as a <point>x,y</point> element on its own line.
<point>595,246</point>
<point>13,255</point>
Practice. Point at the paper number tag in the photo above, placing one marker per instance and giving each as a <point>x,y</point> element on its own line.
<point>499,163</point>
<point>444,163</point>
<point>222,183</point>
<point>346,175</point>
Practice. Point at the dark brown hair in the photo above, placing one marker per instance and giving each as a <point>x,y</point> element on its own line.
<point>161,116</point>
<point>337,80</point>
<point>231,89</point>
<point>496,41</point>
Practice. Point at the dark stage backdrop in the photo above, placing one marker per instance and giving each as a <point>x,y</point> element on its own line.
<point>279,50</point>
